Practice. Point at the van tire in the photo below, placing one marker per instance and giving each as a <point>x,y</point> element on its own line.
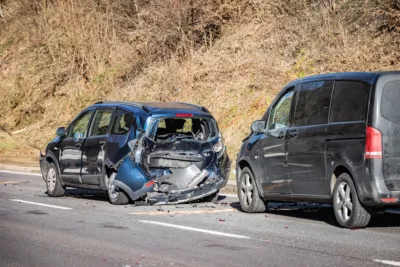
<point>345,199</point>
<point>250,200</point>
<point>53,182</point>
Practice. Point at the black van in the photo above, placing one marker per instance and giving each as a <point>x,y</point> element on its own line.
<point>332,138</point>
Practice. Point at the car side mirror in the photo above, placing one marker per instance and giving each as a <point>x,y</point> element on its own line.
<point>61,132</point>
<point>258,126</point>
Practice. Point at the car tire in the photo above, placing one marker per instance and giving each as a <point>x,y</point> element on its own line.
<point>115,196</point>
<point>53,182</point>
<point>250,200</point>
<point>212,198</point>
<point>349,212</point>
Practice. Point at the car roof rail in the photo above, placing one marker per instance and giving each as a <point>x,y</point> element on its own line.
<point>132,104</point>
<point>202,108</point>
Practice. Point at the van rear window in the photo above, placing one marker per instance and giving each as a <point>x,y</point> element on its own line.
<point>390,107</point>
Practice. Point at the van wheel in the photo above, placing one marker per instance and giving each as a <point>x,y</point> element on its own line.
<point>348,210</point>
<point>53,182</point>
<point>115,196</point>
<point>249,198</point>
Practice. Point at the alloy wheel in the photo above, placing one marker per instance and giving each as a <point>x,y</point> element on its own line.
<point>112,192</point>
<point>246,189</point>
<point>344,204</point>
<point>51,179</point>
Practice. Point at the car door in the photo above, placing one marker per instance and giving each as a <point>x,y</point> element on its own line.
<point>71,148</point>
<point>95,147</point>
<point>272,146</point>
<point>122,131</point>
<point>306,141</point>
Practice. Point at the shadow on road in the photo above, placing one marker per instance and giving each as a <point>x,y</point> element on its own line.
<point>323,213</point>
<point>86,194</point>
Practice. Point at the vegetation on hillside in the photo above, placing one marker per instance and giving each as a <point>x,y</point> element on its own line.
<point>57,57</point>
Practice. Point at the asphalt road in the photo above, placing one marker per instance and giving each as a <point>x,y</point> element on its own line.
<point>83,229</point>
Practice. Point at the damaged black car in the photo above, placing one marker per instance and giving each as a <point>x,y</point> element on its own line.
<point>160,153</point>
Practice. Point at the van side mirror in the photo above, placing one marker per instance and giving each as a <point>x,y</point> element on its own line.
<point>258,126</point>
<point>61,132</point>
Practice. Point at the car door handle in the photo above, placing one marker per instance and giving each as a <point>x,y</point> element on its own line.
<point>280,135</point>
<point>102,143</point>
<point>78,145</point>
<point>293,134</point>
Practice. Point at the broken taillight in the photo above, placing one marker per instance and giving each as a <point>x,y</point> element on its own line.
<point>373,143</point>
<point>389,200</point>
<point>149,183</point>
<point>184,115</point>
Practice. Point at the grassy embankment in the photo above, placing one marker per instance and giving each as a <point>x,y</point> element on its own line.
<point>57,57</point>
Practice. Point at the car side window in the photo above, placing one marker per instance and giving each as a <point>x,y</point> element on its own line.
<point>101,122</point>
<point>122,123</point>
<point>80,127</point>
<point>312,106</point>
<point>280,113</point>
<point>349,101</point>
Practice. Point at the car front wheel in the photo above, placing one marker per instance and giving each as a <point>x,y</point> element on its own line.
<point>53,182</point>
<point>249,197</point>
<point>116,197</point>
<point>348,210</point>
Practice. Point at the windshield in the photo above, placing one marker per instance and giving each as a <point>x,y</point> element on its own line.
<point>175,129</point>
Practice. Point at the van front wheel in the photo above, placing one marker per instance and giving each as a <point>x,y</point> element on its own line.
<point>348,210</point>
<point>249,198</point>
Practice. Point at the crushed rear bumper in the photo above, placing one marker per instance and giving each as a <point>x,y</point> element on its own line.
<point>186,195</point>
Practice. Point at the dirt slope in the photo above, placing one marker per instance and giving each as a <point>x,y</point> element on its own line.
<point>57,57</point>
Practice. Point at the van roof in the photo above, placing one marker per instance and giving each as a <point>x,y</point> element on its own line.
<point>368,77</point>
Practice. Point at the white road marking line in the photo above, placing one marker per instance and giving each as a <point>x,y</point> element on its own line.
<point>195,229</point>
<point>228,195</point>
<point>41,204</point>
<point>25,173</point>
<point>393,263</point>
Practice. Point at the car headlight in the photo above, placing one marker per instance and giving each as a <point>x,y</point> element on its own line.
<point>218,147</point>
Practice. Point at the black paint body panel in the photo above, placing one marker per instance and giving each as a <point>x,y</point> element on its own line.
<point>313,153</point>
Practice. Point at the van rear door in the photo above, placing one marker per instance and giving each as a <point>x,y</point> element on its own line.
<point>387,121</point>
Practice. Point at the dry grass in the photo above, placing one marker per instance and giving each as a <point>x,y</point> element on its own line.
<point>232,56</point>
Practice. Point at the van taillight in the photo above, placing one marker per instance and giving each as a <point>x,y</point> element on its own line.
<point>373,144</point>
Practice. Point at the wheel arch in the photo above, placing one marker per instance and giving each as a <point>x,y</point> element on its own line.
<point>51,158</point>
<point>337,170</point>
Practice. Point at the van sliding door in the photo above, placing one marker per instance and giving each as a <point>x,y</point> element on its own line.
<point>306,141</point>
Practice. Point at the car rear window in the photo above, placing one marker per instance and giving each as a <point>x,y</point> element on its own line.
<point>202,129</point>
<point>390,107</point>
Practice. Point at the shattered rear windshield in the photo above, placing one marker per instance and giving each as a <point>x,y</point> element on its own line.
<point>174,129</point>
<point>390,108</point>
